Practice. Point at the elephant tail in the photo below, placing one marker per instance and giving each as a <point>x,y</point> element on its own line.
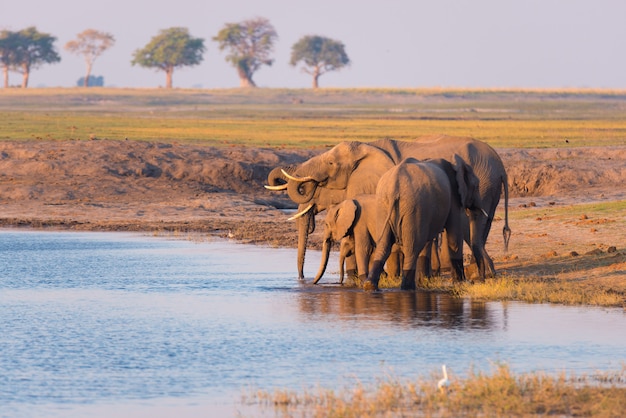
<point>394,213</point>
<point>506,231</point>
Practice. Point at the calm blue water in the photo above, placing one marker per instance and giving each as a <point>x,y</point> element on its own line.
<point>111,324</point>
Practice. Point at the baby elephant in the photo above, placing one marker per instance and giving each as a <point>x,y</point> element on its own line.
<point>415,201</point>
<point>352,222</point>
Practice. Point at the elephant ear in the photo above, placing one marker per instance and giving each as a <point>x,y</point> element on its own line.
<point>345,217</point>
<point>467,182</point>
<point>370,163</point>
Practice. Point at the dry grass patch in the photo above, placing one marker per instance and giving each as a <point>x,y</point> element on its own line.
<point>500,393</point>
<point>546,290</point>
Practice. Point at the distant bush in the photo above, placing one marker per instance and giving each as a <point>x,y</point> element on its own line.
<point>92,81</point>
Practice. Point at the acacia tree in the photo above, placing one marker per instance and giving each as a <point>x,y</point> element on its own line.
<point>90,44</point>
<point>171,48</point>
<point>319,56</point>
<point>29,50</point>
<point>250,44</point>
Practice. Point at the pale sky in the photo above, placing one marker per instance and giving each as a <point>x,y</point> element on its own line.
<point>391,43</point>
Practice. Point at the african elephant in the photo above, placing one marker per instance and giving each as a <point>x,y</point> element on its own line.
<point>355,168</point>
<point>305,216</point>
<point>415,201</point>
<point>352,221</point>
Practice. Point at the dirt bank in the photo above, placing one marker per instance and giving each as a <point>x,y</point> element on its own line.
<point>140,186</point>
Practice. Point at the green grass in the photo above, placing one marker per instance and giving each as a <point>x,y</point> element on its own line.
<point>573,212</point>
<point>306,118</point>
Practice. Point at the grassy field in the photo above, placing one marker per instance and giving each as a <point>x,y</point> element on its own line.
<point>305,118</point>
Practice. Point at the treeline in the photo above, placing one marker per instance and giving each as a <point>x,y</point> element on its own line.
<point>248,45</point>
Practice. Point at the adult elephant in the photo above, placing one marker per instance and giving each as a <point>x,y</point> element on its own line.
<point>305,216</point>
<point>415,201</point>
<point>355,168</point>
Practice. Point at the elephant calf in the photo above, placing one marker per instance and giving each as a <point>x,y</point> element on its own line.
<point>415,201</point>
<point>354,223</point>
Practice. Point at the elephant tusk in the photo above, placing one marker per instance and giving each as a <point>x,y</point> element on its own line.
<point>298,179</point>
<point>280,187</point>
<point>302,213</point>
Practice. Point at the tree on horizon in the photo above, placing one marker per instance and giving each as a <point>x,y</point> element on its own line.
<point>171,48</point>
<point>8,42</point>
<point>250,44</point>
<point>319,55</point>
<point>90,44</point>
<point>25,50</point>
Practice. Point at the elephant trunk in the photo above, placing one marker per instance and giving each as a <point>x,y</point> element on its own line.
<point>342,261</point>
<point>301,191</point>
<point>276,177</point>
<point>324,262</point>
<point>306,226</point>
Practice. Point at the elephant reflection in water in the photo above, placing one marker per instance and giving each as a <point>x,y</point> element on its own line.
<point>408,309</point>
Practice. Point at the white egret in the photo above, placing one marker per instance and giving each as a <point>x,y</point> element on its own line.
<point>443,383</point>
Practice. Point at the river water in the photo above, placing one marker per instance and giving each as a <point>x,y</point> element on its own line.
<point>115,324</point>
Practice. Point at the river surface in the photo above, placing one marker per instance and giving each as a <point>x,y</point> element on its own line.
<point>114,324</point>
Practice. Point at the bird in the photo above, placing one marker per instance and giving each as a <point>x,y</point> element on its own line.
<point>443,384</point>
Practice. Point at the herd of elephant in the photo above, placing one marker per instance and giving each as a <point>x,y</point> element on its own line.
<point>389,201</point>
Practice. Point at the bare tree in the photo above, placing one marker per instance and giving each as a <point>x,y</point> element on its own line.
<point>90,44</point>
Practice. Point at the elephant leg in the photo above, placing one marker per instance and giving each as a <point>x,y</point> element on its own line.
<point>393,264</point>
<point>443,253</point>
<point>408,280</point>
<point>423,262</point>
<point>380,256</point>
<point>351,267</point>
<point>409,272</point>
<point>435,261</point>
<point>454,245</point>
<point>371,283</point>
<point>478,223</point>
<point>363,251</point>
<point>457,272</point>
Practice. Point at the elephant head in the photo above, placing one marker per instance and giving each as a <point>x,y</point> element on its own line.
<point>351,166</point>
<point>348,169</point>
<point>305,216</point>
<point>337,225</point>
